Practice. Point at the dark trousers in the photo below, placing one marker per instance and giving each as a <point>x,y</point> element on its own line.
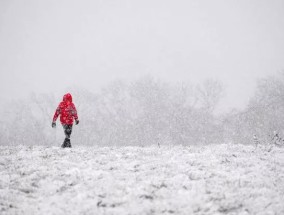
<point>67,131</point>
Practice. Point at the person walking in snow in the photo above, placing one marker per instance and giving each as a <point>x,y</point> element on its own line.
<point>67,111</point>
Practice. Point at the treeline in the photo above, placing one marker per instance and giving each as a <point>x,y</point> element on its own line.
<point>147,112</point>
<point>263,118</point>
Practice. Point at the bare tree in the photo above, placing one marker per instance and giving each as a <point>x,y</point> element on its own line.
<point>209,94</point>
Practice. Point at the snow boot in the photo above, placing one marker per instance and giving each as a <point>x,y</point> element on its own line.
<point>65,143</point>
<point>68,144</point>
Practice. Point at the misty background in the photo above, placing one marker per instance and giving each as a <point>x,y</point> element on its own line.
<point>186,60</point>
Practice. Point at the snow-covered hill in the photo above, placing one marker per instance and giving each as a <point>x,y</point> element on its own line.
<point>215,179</point>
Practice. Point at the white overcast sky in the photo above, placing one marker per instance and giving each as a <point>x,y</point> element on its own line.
<point>48,45</point>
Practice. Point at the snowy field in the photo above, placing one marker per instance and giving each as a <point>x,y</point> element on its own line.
<point>215,179</point>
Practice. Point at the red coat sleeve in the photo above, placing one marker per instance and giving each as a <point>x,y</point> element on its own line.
<point>57,112</point>
<point>74,112</point>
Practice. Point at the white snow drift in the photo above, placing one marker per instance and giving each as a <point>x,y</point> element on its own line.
<point>215,179</point>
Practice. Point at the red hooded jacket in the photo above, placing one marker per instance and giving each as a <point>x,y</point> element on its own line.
<point>67,111</point>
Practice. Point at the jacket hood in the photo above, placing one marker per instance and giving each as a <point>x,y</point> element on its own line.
<point>67,97</point>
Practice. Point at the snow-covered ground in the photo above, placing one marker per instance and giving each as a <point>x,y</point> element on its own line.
<point>214,179</point>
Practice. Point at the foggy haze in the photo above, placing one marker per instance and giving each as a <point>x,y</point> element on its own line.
<point>47,46</point>
<point>145,129</point>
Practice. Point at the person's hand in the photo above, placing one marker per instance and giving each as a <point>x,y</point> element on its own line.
<point>53,125</point>
<point>76,121</point>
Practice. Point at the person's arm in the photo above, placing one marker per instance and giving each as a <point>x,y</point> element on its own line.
<point>56,114</point>
<point>75,114</point>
